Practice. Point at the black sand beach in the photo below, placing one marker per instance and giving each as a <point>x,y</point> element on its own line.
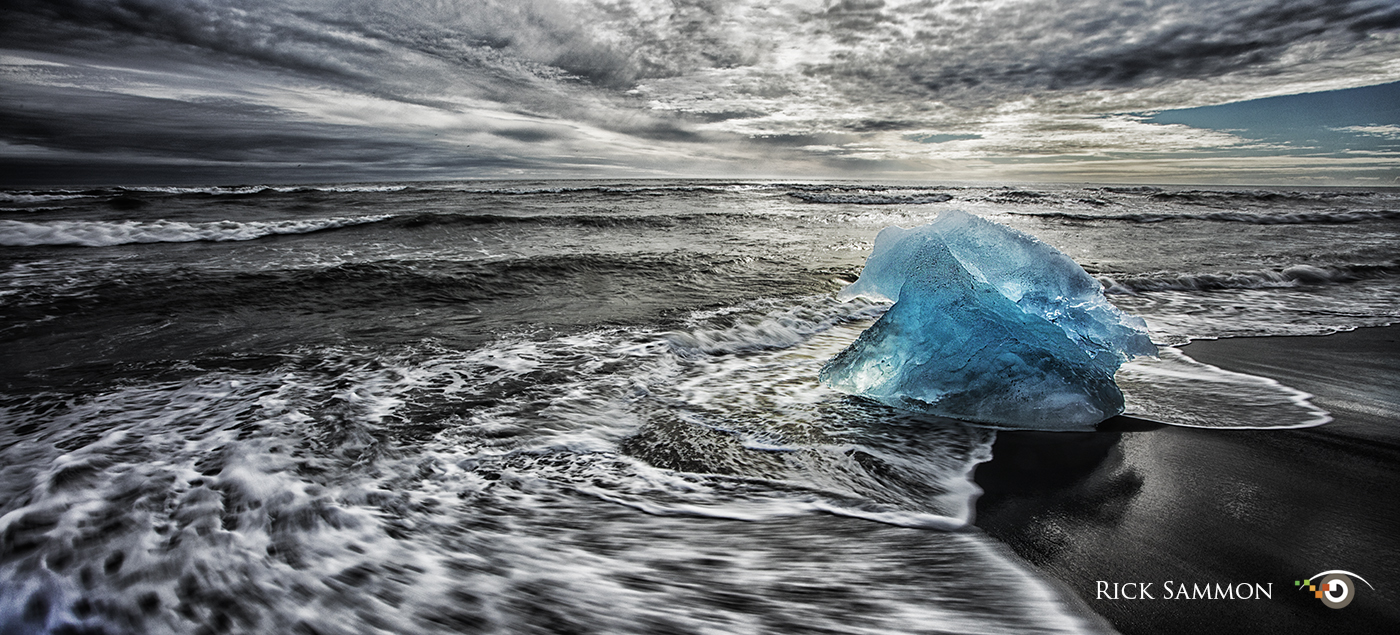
<point>1139,502</point>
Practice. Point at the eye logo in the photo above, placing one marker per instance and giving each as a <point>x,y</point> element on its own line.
<point>1334,588</point>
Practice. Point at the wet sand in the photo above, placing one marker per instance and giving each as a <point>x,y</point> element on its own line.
<point>1142,502</point>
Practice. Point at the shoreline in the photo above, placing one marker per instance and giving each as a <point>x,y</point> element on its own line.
<point>1140,502</point>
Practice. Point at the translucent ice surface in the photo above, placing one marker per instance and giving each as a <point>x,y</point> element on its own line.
<point>988,325</point>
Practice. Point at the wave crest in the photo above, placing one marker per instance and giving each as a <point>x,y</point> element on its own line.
<point>110,233</point>
<point>1336,217</point>
<point>38,197</point>
<point>1211,197</point>
<point>245,190</point>
<point>871,199</point>
<point>1294,276</point>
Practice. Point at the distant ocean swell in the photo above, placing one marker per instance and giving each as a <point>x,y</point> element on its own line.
<point>1157,194</point>
<point>33,196</point>
<point>660,221</point>
<point>259,189</point>
<point>29,196</point>
<point>15,233</point>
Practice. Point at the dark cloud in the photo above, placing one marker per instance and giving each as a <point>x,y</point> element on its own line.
<point>851,18</point>
<point>712,117</point>
<point>438,85</point>
<point>167,140</point>
<point>216,130</point>
<point>528,134</point>
<point>940,138</point>
<point>261,32</point>
<point>1027,47</point>
<point>1248,38</point>
<point>879,125</point>
<point>425,52</point>
<point>117,168</point>
<point>803,140</point>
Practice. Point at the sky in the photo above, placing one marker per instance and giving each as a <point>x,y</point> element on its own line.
<point>1301,92</point>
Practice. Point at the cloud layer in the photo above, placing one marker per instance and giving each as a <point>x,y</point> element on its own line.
<point>195,89</point>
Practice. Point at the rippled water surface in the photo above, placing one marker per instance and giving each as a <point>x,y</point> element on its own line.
<point>564,407</point>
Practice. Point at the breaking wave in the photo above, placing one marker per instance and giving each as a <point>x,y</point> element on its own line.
<point>244,190</point>
<point>607,189</point>
<point>1272,218</point>
<point>39,197</point>
<point>1140,189</point>
<point>441,219</point>
<point>1212,197</point>
<point>109,233</point>
<point>872,199</point>
<point>1294,276</point>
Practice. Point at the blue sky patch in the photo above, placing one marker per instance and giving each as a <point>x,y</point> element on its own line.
<point>1328,123</point>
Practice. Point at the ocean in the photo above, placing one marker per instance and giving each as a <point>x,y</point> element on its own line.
<point>569,406</point>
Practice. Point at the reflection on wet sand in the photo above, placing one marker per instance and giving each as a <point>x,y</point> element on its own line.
<point>1138,502</point>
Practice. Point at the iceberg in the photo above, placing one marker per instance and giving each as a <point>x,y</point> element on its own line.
<point>989,325</point>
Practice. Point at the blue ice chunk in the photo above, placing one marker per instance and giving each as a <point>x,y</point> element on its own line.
<point>988,325</point>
